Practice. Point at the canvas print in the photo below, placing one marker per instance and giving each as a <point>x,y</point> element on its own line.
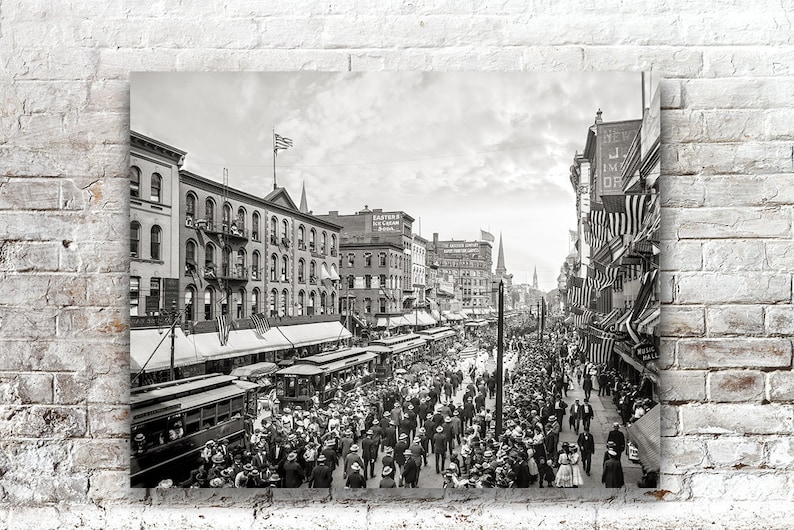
<point>394,280</point>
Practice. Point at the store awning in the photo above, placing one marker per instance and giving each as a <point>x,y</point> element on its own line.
<point>144,342</point>
<point>241,342</point>
<point>649,320</point>
<point>316,333</point>
<point>645,434</point>
<point>255,370</point>
<point>425,319</point>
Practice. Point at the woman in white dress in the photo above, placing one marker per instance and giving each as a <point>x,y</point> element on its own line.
<point>564,477</point>
<point>576,459</point>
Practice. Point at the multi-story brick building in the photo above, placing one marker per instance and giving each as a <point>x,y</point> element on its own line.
<point>469,264</point>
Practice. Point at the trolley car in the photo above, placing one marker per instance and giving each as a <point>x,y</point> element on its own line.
<point>397,352</point>
<point>172,421</point>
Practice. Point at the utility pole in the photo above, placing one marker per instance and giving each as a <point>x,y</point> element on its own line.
<point>500,350</point>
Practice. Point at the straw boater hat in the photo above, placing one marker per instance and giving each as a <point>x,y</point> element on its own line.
<point>355,466</point>
<point>439,429</point>
<point>386,471</point>
<point>407,452</point>
<point>217,458</point>
<point>274,477</point>
<point>354,448</point>
<point>403,436</point>
<point>140,437</point>
<point>217,482</point>
<point>292,456</point>
<point>448,419</point>
<point>389,450</point>
<point>321,458</point>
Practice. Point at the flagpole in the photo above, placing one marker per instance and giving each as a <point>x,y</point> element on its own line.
<point>274,159</point>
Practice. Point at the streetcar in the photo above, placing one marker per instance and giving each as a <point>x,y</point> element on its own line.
<point>439,339</point>
<point>324,375</point>
<point>397,352</point>
<point>172,421</point>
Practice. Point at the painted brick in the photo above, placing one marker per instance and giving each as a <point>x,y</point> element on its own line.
<point>682,191</point>
<point>735,320</point>
<point>719,223</point>
<point>734,353</point>
<point>726,158</point>
<point>722,125</point>
<point>683,455</point>
<point>737,419</point>
<point>738,93</point>
<point>24,256</point>
<point>748,190</point>
<point>678,321</point>
<point>39,472</point>
<point>736,386</point>
<point>108,420</point>
<point>22,389</point>
<point>683,385</point>
<point>741,255</point>
<point>735,451</point>
<point>781,386</point>
<point>780,255</point>
<point>779,320</point>
<point>29,194</point>
<point>680,255</point>
<point>42,421</point>
<point>721,288</point>
<point>19,324</point>
<point>741,486</point>
<point>780,452</point>
<point>455,59</point>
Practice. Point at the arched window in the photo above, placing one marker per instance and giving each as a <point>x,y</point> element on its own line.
<point>312,238</point>
<point>255,265</point>
<point>274,230</point>
<point>381,259</point>
<point>227,216</point>
<point>273,303</point>
<point>368,305</point>
<point>240,265</point>
<point>135,181</point>
<point>312,272</point>
<point>332,307</point>
<point>284,300</point>
<point>239,304</point>
<point>323,300</point>
<point>190,257</point>
<point>209,212</point>
<point>190,299</point>
<point>209,260</point>
<point>273,268</point>
<point>190,209</point>
<point>351,281</point>
<point>284,268</point>
<point>255,226</point>
<point>226,259</point>
<point>240,218</point>
<point>323,242</point>
<point>255,301</point>
<point>156,242</point>
<point>310,308</point>
<point>209,302</point>
<point>157,188</point>
<point>135,239</point>
<point>301,271</point>
<point>334,273</point>
<point>301,238</point>
<point>301,302</point>
<point>333,244</point>
<point>285,230</point>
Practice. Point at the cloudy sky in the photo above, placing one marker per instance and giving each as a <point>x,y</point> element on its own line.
<point>460,151</point>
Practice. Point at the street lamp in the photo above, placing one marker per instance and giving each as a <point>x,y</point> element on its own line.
<point>172,318</point>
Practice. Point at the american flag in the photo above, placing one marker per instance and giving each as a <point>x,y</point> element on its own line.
<point>281,142</point>
<point>223,329</point>
<point>260,323</point>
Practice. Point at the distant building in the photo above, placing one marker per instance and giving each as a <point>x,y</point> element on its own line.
<point>468,264</point>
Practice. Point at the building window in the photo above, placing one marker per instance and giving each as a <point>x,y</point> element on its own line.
<point>239,304</point>
<point>209,212</point>
<point>154,295</point>
<point>226,258</point>
<point>274,230</point>
<point>351,260</point>
<point>382,281</point>
<point>135,295</point>
<point>227,216</point>
<point>323,241</point>
<point>381,259</point>
<point>368,305</point>
<point>368,281</point>
<point>273,303</point>
<point>273,268</point>
<point>135,239</point>
<point>323,302</point>
<point>312,238</point>
<point>285,230</point>
<point>332,307</point>
<point>368,260</point>
<point>284,299</point>
<point>157,235</point>
<point>351,281</point>
<point>255,265</point>
<point>284,268</point>
<point>209,260</point>
<point>241,218</point>
<point>190,209</point>
<point>135,182</point>
<point>382,305</point>
<point>209,301</point>
<point>301,302</point>
<point>190,257</point>
<point>255,226</point>
<point>240,267</point>
<point>310,309</point>
<point>312,272</point>
<point>190,298</point>
<point>255,301</point>
<point>157,185</point>
<point>301,270</point>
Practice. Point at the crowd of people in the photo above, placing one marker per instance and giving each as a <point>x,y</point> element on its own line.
<point>414,425</point>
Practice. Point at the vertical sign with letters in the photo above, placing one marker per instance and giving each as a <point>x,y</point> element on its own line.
<point>614,140</point>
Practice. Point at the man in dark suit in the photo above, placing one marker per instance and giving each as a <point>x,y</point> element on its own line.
<point>410,474</point>
<point>586,445</point>
<point>612,477</point>
<point>618,438</point>
<point>575,417</point>
<point>369,453</point>
<point>587,413</point>
<point>321,477</point>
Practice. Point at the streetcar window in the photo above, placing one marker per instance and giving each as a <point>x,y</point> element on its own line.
<point>193,421</point>
<point>223,411</point>
<point>237,404</point>
<point>208,417</point>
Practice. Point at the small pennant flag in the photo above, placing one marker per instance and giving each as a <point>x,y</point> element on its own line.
<point>260,323</point>
<point>223,329</point>
<point>281,142</point>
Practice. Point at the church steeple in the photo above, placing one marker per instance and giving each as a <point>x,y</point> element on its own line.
<point>535,278</point>
<point>304,207</point>
<point>500,261</point>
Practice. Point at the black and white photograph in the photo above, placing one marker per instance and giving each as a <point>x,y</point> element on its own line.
<point>394,280</point>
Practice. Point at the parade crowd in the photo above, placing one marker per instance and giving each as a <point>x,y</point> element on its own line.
<point>414,425</point>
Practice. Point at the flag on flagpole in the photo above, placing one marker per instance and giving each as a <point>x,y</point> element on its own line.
<point>486,236</point>
<point>223,329</point>
<point>260,323</point>
<point>281,142</point>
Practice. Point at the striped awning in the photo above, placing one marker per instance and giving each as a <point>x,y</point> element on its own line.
<point>646,435</point>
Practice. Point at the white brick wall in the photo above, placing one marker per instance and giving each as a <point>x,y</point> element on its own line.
<point>728,110</point>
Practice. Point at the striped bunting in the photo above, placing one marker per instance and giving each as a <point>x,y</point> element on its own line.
<point>600,349</point>
<point>223,329</point>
